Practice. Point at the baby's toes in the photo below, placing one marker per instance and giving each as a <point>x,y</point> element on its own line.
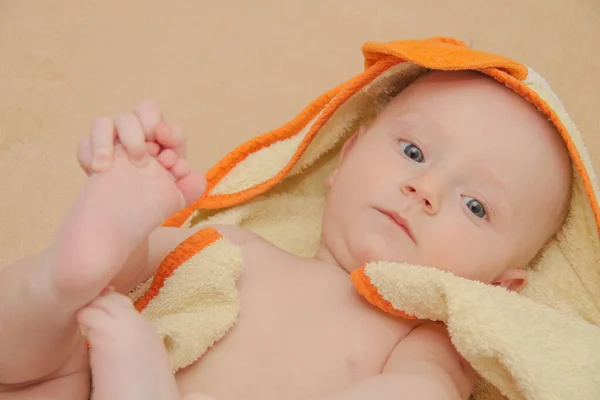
<point>167,158</point>
<point>192,187</point>
<point>171,136</point>
<point>180,169</point>
<point>153,148</point>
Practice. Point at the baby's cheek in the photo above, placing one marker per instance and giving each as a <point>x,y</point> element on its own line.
<point>456,252</point>
<point>368,247</point>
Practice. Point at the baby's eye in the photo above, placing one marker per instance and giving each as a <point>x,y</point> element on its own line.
<point>413,152</point>
<point>475,207</point>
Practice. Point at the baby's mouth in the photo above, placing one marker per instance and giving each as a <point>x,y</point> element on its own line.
<point>400,221</point>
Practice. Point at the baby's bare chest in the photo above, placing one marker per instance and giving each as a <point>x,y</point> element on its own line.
<point>302,332</point>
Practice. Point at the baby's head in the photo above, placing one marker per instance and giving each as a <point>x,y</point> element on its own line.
<point>477,175</point>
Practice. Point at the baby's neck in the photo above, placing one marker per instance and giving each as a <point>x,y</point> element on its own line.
<point>323,254</point>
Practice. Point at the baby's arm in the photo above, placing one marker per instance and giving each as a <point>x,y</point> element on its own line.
<point>423,366</point>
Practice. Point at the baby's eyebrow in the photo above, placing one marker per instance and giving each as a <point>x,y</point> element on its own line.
<point>401,121</point>
<point>488,175</point>
<point>494,187</point>
<point>417,122</point>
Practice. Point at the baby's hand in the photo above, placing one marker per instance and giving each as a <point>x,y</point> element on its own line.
<point>142,134</point>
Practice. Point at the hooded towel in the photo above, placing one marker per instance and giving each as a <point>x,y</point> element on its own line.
<point>543,343</point>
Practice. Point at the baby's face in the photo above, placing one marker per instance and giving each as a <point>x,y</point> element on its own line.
<point>457,172</point>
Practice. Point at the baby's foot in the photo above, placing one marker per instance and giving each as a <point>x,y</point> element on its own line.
<point>145,179</point>
<point>127,357</point>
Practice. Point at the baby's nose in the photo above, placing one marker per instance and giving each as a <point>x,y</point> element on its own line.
<point>422,195</point>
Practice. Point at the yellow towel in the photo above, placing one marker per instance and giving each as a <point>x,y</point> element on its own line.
<point>543,343</point>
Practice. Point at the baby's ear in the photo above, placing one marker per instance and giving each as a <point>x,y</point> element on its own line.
<point>512,279</point>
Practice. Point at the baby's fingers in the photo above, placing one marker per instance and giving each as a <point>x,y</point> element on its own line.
<point>171,136</point>
<point>102,144</point>
<point>132,137</point>
<point>85,155</point>
<point>149,116</point>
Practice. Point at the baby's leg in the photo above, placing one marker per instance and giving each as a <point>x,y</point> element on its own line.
<point>39,297</point>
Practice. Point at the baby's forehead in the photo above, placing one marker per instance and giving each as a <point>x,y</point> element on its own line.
<point>456,89</point>
<point>466,105</point>
<point>472,116</point>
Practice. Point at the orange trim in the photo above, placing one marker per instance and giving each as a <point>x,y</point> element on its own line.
<point>534,98</point>
<point>365,288</point>
<point>182,253</point>
<point>223,167</point>
<point>178,219</point>
<point>444,54</point>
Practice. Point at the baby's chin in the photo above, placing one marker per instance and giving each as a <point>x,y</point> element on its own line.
<point>375,249</point>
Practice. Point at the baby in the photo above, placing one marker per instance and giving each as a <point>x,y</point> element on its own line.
<point>457,172</point>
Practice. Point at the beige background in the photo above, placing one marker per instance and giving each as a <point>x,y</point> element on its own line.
<point>228,70</point>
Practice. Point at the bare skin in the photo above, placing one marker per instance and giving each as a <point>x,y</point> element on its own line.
<point>334,354</point>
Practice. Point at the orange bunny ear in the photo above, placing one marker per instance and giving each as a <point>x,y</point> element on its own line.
<point>444,54</point>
